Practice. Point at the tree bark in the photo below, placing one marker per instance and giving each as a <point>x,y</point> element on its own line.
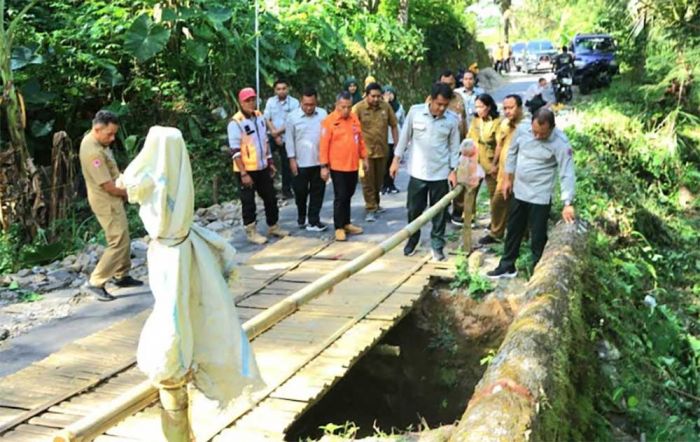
<point>403,12</point>
<point>20,186</point>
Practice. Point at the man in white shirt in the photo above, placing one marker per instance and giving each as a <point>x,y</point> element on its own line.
<point>277,109</point>
<point>302,141</point>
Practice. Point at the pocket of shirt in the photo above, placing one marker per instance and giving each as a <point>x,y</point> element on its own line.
<point>419,126</point>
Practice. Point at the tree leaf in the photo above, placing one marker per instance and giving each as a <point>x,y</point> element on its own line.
<point>33,94</point>
<point>145,39</point>
<point>41,128</point>
<point>219,14</point>
<point>23,56</point>
<point>197,51</point>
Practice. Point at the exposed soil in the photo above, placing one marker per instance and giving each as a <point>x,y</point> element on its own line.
<point>442,343</point>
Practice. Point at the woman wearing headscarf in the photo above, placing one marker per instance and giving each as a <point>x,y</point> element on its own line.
<point>391,98</point>
<point>193,333</point>
<point>483,132</point>
<point>351,85</point>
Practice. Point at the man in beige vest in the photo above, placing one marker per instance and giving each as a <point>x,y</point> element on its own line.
<point>107,203</point>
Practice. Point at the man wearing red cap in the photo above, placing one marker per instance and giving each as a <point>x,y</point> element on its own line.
<point>253,166</point>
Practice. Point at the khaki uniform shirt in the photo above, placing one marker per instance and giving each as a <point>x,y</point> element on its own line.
<point>483,133</point>
<point>375,123</point>
<point>99,167</point>
<point>504,136</point>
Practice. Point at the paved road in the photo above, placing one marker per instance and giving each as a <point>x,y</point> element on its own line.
<point>93,316</point>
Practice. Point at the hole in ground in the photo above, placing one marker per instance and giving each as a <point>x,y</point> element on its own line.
<point>442,343</point>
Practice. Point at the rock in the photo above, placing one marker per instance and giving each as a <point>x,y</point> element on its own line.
<point>216,226</point>
<point>24,272</point>
<point>38,278</point>
<point>81,263</point>
<point>61,275</point>
<point>475,260</point>
<point>139,245</point>
<point>607,351</point>
<point>201,211</point>
<point>137,262</point>
<point>77,282</point>
<point>38,270</point>
<point>4,334</point>
<point>54,284</point>
<point>68,260</point>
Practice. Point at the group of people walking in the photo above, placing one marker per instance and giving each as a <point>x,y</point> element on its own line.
<point>365,138</point>
<point>353,143</point>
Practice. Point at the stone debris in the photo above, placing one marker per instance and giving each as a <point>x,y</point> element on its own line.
<point>31,297</point>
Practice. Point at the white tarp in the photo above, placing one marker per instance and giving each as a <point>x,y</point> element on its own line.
<point>194,328</point>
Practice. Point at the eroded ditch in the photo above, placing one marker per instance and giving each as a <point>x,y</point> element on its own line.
<point>443,345</point>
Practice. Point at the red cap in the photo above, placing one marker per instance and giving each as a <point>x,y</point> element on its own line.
<point>246,93</point>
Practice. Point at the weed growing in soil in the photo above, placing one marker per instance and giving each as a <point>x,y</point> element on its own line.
<point>475,284</point>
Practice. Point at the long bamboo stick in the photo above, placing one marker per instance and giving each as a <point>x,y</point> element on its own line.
<point>145,393</point>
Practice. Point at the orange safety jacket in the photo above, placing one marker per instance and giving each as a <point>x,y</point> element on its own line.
<point>342,144</point>
<point>254,150</point>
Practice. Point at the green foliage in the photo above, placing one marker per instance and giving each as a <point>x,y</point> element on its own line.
<point>181,63</point>
<point>474,284</point>
<point>643,296</point>
<point>145,39</point>
<point>346,430</point>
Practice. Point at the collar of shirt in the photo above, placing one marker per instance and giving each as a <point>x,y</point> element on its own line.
<point>426,111</point>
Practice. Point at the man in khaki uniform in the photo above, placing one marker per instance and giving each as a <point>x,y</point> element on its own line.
<point>513,111</point>
<point>376,117</point>
<point>107,203</point>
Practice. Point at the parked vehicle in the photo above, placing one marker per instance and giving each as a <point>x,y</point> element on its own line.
<point>517,60</point>
<point>562,84</point>
<point>589,48</point>
<point>539,55</point>
<point>596,74</point>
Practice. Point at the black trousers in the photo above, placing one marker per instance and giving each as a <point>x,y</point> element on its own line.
<point>284,164</point>
<point>388,180</point>
<point>308,183</point>
<point>521,214</point>
<point>344,184</point>
<point>420,192</point>
<point>262,184</point>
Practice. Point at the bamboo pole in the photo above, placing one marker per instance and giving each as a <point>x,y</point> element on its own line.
<point>145,393</point>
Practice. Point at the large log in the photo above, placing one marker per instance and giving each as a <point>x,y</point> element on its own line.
<point>527,391</point>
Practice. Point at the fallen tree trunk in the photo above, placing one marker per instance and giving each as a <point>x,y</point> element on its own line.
<point>528,391</point>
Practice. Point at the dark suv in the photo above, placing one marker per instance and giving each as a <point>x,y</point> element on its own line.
<point>589,48</point>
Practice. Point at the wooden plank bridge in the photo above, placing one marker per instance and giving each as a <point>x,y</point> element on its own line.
<point>301,357</point>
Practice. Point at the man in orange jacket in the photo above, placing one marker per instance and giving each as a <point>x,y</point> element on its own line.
<point>342,147</point>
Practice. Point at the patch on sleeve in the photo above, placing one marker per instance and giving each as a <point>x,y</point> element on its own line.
<point>569,152</point>
<point>96,163</point>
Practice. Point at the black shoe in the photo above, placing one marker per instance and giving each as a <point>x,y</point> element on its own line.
<point>127,281</point>
<point>316,227</point>
<point>98,293</point>
<point>438,255</point>
<point>287,194</point>
<point>502,272</point>
<point>488,239</point>
<point>410,249</point>
<point>457,220</point>
<point>301,223</point>
<point>393,189</point>
<point>384,190</point>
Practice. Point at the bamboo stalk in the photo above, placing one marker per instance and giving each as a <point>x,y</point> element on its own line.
<point>145,393</point>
